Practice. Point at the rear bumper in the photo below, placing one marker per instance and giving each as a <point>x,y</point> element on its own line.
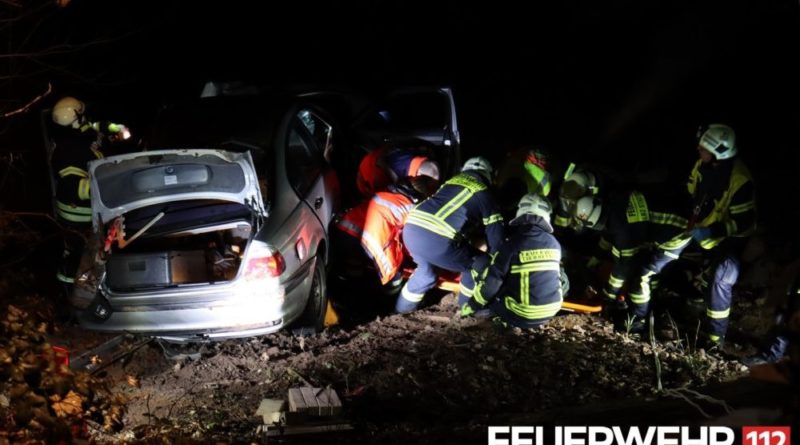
<point>245,319</point>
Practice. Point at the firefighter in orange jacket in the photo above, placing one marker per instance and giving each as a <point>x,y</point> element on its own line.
<point>384,166</point>
<point>376,224</point>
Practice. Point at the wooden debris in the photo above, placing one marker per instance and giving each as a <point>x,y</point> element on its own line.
<point>321,402</point>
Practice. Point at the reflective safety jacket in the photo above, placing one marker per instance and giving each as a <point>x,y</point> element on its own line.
<point>371,176</point>
<point>462,203</point>
<point>378,223</point>
<point>636,221</point>
<point>724,200</point>
<point>73,203</point>
<point>522,282</point>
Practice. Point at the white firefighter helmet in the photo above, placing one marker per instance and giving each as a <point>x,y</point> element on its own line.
<point>579,184</point>
<point>719,140</point>
<point>481,165</point>
<point>534,204</point>
<point>588,210</point>
<point>68,112</point>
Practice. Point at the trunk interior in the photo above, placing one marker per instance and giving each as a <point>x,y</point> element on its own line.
<point>189,247</point>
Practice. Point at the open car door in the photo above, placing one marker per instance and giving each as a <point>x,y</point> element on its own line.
<point>415,116</point>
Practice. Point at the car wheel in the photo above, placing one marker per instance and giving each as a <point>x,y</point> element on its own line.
<point>313,317</point>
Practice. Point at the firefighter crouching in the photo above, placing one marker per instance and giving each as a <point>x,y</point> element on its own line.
<point>644,233</point>
<point>522,285</point>
<point>374,227</point>
<point>437,229</point>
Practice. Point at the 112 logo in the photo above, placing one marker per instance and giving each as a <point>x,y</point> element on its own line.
<point>766,435</point>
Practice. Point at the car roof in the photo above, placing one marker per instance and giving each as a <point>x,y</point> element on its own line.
<point>220,122</point>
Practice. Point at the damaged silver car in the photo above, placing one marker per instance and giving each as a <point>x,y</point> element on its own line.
<point>220,230</point>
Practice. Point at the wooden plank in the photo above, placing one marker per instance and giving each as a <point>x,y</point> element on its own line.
<point>320,402</point>
<point>296,401</point>
<point>335,403</point>
<point>324,401</point>
<point>309,395</point>
<point>290,430</point>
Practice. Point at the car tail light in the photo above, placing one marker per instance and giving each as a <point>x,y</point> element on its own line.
<point>262,262</point>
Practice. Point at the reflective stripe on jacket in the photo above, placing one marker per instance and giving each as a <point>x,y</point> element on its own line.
<point>522,283</point>
<point>728,207</point>
<point>462,202</point>
<point>378,223</point>
<point>635,222</point>
<point>72,211</point>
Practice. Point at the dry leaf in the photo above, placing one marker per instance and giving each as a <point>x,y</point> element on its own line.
<point>112,420</point>
<point>133,381</point>
<point>71,405</point>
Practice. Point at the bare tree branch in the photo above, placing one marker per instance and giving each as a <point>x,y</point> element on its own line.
<point>11,3</point>
<point>25,108</point>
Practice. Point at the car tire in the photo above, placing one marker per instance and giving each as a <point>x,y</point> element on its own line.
<point>313,317</point>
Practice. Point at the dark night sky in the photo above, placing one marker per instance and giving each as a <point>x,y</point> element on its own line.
<point>623,82</point>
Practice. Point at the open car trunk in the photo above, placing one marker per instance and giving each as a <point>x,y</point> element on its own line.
<point>194,242</point>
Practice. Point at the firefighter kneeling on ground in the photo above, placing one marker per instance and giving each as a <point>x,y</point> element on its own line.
<point>375,225</point>
<point>644,233</point>
<point>76,141</point>
<point>521,285</point>
<point>437,232</point>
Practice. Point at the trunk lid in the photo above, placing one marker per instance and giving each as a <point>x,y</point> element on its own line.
<point>131,181</point>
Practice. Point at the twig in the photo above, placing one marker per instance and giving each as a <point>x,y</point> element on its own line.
<point>651,321</point>
<point>149,415</point>
<point>709,399</point>
<point>169,412</point>
<point>300,377</point>
<point>681,393</point>
<point>26,107</point>
<point>678,395</point>
<point>436,318</point>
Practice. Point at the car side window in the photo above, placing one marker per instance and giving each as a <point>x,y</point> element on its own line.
<point>304,160</point>
<point>321,131</point>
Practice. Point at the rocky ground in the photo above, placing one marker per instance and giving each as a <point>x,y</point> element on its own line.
<point>420,378</point>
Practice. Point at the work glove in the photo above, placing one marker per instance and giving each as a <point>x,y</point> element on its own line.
<point>701,233</point>
<point>467,310</point>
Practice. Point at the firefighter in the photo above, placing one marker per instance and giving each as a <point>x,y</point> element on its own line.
<point>385,165</point>
<point>578,183</point>
<point>437,231</point>
<point>376,224</point>
<point>522,283</point>
<point>76,141</point>
<point>643,234</point>
<point>723,217</point>
<point>523,171</point>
